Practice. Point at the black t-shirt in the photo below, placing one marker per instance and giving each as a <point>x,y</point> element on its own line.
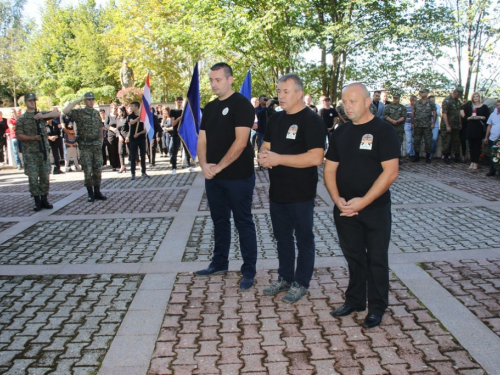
<point>328,114</point>
<point>360,150</point>
<point>293,135</point>
<point>133,127</point>
<point>220,118</point>
<point>175,114</point>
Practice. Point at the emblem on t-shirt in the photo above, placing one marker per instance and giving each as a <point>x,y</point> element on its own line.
<point>366,142</point>
<point>225,111</point>
<point>292,132</point>
<point>331,114</point>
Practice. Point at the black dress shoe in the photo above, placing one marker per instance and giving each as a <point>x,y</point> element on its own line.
<point>372,320</point>
<point>210,271</point>
<point>344,310</point>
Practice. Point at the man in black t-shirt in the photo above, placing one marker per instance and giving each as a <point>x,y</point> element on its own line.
<point>362,163</point>
<point>292,150</point>
<point>137,139</point>
<point>226,160</point>
<point>328,114</point>
<point>175,115</point>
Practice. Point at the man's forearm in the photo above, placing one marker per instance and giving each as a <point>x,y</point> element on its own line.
<point>70,106</point>
<point>330,177</point>
<point>202,153</point>
<point>311,158</point>
<point>381,185</point>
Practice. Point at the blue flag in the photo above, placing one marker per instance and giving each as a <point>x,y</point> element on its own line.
<point>190,123</point>
<point>246,87</point>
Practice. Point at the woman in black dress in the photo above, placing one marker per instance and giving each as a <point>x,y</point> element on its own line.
<point>476,113</point>
<point>114,159</point>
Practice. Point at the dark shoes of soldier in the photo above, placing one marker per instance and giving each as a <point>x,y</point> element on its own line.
<point>416,158</point>
<point>447,159</point>
<point>98,195</point>
<point>38,204</point>
<point>45,202</point>
<point>90,194</point>
<point>428,158</point>
<point>458,159</point>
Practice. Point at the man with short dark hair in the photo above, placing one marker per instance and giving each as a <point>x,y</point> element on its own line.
<point>361,165</point>
<point>137,139</point>
<point>263,113</point>
<point>292,150</point>
<point>227,162</point>
<point>423,119</point>
<point>328,114</point>
<point>378,104</point>
<point>89,133</point>
<point>308,101</point>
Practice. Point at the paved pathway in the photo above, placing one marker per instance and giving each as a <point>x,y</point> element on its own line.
<point>108,288</point>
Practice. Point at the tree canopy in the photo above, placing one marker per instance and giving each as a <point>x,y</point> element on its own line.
<point>403,45</point>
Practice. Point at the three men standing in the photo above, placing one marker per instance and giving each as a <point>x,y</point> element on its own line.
<point>293,148</point>
<point>361,165</point>
<point>33,134</point>
<point>226,160</point>
<point>89,135</point>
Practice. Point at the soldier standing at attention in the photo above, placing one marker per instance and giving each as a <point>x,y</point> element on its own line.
<point>395,114</point>
<point>423,119</point>
<point>89,136</point>
<point>451,124</point>
<point>35,150</point>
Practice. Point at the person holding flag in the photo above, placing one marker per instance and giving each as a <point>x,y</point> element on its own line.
<point>226,160</point>
<point>136,139</point>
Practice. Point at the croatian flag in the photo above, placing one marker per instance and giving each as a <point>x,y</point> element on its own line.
<point>146,115</point>
<point>190,123</point>
<point>246,87</point>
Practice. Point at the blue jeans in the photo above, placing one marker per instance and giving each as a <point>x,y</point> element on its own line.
<point>253,136</point>
<point>289,219</point>
<point>409,139</point>
<point>166,142</point>
<point>15,150</point>
<point>224,197</point>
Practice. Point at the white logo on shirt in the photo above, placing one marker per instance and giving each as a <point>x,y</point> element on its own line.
<point>292,132</point>
<point>225,111</point>
<point>366,142</point>
<point>331,114</point>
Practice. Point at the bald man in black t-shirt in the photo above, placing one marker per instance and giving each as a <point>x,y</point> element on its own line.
<point>362,163</point>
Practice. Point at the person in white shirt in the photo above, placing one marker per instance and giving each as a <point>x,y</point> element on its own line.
<point>493,133</point>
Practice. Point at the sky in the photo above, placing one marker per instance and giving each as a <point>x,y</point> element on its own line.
<point>32,7</point>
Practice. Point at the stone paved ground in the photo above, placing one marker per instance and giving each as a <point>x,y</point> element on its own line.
<point>108,287</point>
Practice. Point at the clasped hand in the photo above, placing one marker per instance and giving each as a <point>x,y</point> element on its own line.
<point>210,170</point>
<point>349,208</point>
<point>268,159</point>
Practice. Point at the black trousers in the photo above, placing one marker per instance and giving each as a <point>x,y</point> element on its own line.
<point>475,149</point>
<point>364,240</point>
<point>105,146</point>
<point>54,147</point>
<point>153,147</point>
<point>134,146</point>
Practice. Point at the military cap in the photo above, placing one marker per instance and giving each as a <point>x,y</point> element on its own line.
<point>424,90</point>
<point>29,96</point>
<point>459,89</point>
<point>396,94</point>
<point>88,95</point>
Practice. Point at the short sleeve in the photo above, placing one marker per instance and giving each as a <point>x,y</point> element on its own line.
<point>490,119</point>
<point>270,124</point>
<point>245,114</point>
<point>389,147</point>
<point>386,112</point>
<point>434,108</point>
<point>444,107</point>
<point>332,153</point>
<point>315,134</point>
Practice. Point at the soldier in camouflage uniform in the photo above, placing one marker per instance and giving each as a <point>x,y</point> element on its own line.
<point>395,114</point>
<point>89,135</point>
<point>423,119</point>
<point>35,153</point>
<point>451,124</point>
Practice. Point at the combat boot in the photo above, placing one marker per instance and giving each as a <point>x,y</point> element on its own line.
<point>447,158</point>
<point>416,158</point>
<point>428,158</point>
<point>45,202</point>
<point>38,204</point>
<point>90,194</point>
<point>98,195</point>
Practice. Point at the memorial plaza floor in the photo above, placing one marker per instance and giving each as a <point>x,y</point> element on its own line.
<point>108,287</point>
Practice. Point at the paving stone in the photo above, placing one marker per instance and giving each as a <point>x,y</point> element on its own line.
<point>55,344</point>
<point>21,205</point>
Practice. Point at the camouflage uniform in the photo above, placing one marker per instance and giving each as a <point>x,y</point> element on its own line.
<point>373,109</point>
<point>451,140</point>
<point>35,167</point>
<point>89,128</point>
<point>395,112</point>
<point>423,119</point>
